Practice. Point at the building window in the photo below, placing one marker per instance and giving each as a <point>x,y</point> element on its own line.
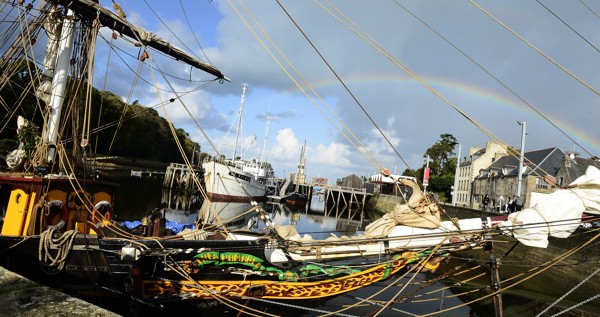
<point>540,183</point>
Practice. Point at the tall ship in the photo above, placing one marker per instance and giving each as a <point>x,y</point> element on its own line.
<point>236,179</point>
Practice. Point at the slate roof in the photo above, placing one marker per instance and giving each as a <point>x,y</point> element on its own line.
<point>469,159</point>
<point>578,166</point>
<point>539,162</point>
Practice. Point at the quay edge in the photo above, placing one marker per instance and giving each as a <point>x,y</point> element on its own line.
<point>22,297</point>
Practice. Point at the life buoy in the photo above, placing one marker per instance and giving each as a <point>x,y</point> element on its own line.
<point>57,214</point>
<point>102,210</point>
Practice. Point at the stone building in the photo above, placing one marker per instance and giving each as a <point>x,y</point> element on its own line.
<point>470,165</point>
<point>320,181</point>
<point>573,167</point>
<point>351,181</point>
<point>500,179</point>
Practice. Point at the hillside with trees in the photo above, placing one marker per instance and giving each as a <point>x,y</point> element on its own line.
<point>117,129</point>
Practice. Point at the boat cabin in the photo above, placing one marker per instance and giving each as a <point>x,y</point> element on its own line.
<point>30,204</point>
<point>387,185</point>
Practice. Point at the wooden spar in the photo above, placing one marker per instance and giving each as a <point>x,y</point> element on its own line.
<point>497,298</point>
<point>90,10</point>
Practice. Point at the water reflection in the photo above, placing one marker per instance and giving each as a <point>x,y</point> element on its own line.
<point>229,214</point>
<point>181,199</point>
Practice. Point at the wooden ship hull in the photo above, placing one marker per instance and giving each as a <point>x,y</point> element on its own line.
<point>154,271</point>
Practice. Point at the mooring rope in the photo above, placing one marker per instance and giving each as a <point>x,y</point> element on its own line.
<point>63,243</point>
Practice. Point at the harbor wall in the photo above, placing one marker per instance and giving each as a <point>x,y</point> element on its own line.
<point>537,276</point>
<point>22,297</point>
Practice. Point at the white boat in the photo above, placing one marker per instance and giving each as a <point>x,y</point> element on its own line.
<point>236,180</point>
<point>227,180</point>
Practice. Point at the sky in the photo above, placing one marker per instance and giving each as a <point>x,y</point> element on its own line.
<point>408,70</point>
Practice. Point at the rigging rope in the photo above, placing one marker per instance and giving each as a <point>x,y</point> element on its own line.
<point>126,105</point>
<point>489,73</point>
<point>379,48</point>
<point>577,305</point>
<point>569,292</point>
<point>581,81</point>
<point>363,151</point>
<point>530,275</point>
<point>315,310</point>
<point>193,33</point>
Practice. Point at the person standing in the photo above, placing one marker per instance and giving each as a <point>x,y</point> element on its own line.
<point>486,202</point>
<point>512,205</point>
<point>501,207</point>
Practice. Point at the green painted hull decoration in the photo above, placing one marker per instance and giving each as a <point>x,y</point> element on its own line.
<point>227,258</point>
<point>256,264</point>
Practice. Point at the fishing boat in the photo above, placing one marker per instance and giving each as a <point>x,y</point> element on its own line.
<point>58,225</point>
<point>236,179</point>
<point>296,197</point>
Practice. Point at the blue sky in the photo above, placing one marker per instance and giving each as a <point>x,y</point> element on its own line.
<point>411,116</point>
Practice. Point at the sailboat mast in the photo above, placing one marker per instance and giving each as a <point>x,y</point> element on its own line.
<point>262,156</point>
<point>239,127</point>
<point>300,167</point>
<point>59,83</point>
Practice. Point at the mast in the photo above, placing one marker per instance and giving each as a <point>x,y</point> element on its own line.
<point>300,167</point>
<point>59,83</point>
<point>262,155</point>
<point>92,10</point>
<point>239,127</point>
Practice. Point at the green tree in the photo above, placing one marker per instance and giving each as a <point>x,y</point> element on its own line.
<point>442,167</point>
<point>439,154</point>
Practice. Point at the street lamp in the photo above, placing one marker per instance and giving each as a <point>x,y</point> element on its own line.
<point>456,173</point>
<point>523,125</point>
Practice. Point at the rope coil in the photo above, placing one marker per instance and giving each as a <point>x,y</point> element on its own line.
<point>53,239</point>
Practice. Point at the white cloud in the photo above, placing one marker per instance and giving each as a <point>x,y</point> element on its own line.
<point>287,147</point>
<point>333,154</point>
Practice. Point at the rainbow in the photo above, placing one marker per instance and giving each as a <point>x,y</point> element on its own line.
<point>590,142</point>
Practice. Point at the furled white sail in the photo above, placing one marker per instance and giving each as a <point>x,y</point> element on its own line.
<point>558,214</point>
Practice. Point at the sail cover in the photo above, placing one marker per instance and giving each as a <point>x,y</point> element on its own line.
<point>558,214</point>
